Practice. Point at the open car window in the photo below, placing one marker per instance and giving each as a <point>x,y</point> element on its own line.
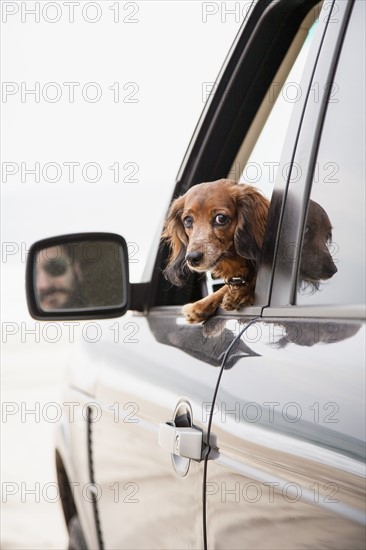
<point>258,160</point>
<point>239,122</point>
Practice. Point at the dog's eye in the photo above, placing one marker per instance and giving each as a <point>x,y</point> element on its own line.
<point>188,221</point>
<point>220,219</point>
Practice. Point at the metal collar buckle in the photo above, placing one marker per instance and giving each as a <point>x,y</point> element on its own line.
<point>235,281</point>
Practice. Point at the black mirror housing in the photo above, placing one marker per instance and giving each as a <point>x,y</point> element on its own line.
<point>78,276</point>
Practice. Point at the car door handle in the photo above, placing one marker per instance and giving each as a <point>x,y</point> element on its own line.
<point>186,442</point>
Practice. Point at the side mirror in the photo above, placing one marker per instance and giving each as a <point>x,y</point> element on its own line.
<point>80,276</point>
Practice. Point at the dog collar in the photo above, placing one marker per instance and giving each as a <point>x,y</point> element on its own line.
<point>235,281</point>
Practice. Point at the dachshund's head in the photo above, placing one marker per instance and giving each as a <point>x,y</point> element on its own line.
<point>216,226</point>
<point>316,260</point>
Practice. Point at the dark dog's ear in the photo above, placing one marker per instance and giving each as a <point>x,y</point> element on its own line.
<point>176,271</point>
<point>252,217</point>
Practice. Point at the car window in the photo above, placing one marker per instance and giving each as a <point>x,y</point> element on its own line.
<point>258,158</point>
<point>332,262</point>
<point>260,170</point>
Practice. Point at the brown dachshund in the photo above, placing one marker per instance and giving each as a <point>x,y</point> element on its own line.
<point>316,260</point>
<point>217,226</point>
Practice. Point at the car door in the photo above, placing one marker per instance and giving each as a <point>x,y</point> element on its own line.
<point>289,418</point>
<point>147,497</point>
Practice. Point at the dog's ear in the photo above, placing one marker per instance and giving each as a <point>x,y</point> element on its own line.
<point>252,209</point>
<point>176,271</point>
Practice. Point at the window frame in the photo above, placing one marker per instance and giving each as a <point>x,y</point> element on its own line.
<point>285,274</point>
<point>266,34</point>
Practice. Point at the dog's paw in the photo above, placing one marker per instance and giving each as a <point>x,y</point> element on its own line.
<point>237,298</point>
<point>200,311</point>
<point>195,314</point>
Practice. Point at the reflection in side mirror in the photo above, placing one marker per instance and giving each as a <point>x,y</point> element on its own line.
<point>78,276</point>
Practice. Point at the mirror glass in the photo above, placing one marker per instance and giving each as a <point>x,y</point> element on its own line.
<point>80,275</point>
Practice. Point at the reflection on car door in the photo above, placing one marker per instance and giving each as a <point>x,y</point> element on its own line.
<point>288,470</point>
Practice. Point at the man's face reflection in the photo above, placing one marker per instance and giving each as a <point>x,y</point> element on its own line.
<point>58,278</point>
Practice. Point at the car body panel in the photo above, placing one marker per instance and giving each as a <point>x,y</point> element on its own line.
<point>73,458</point>
<point>291,430</point>
<point>139,386</point>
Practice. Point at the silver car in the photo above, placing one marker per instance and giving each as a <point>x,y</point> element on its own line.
<point>246,431</point>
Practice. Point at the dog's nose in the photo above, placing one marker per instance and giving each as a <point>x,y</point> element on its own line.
<point>194,258</point>
<point>331,270</point>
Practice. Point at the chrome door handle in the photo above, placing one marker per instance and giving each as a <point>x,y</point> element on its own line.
<point>185,442</point>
